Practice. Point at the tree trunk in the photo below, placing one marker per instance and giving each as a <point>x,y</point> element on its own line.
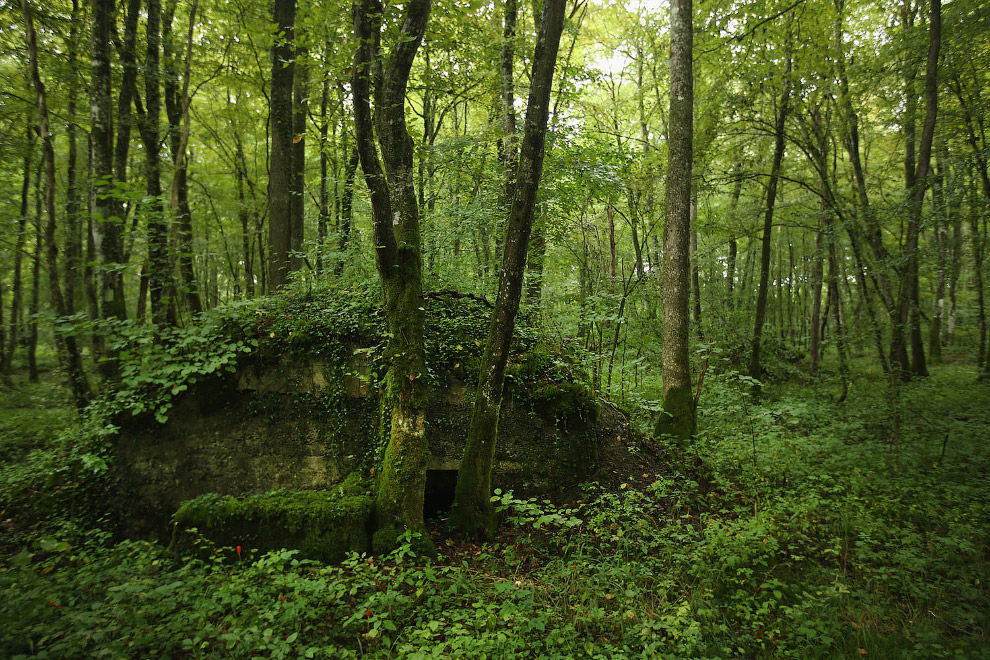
<point>536,260</point>
<point>158,269</point>
<point>300,106</point>
<point>755,370</point>
<point>815,337</point>
<point>108,225</point>
<point>396,234</point>
<point>906,327</point>
<point>73,243</point>
<point>280,182</point>
<point>177,109</point>
<point>976,243</point>
<point>941,231</point>
<point>347,208</point>
<point>679,416</point>
<point>66,345</point>
<point>15,301</point>
<point>35,305</point>
<point>836,295</point>
<point>323,220</point>
<point>473,513</point>
<point>730,267</point>
<point>125,99</point>
<point>695,274</point>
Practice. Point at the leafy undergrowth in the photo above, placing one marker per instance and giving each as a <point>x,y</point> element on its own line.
<point>794,529</point>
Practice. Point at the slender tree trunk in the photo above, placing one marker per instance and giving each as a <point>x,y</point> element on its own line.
<point>177,109</point>
<point>536,260</point>
<point>280,183</point>
<point>323,220</point>
<point>730,266</point>
<point>108,225</point>
<point>976,243</point>
<point>346,209</point>
<point>906,328</point>
<point>300,107</point>
<point>815,336</point>
<point>35,305</point>
<point>473,513</point>
<point>679,416</point>
<point>755,370</point>
<point>831,237</point>
<point>15,302</point>
<point>240,173</point>
<point>695,274</point>
<point>68,349</point>
<point>955,263</point>
<point>125,99</point>
<point>158,267</point>
<point>941,231</point>
<point>73,244</point>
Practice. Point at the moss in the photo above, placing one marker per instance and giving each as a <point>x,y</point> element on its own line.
<point>571,405</point>
<point>321,524</point>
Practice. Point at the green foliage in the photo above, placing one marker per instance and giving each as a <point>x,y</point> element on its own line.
<point>789,529</point>
<point>56,466</point>
<point>553,388</point>
<point>158,364</point>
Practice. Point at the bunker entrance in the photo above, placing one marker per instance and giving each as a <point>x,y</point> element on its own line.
<point>439,495</point>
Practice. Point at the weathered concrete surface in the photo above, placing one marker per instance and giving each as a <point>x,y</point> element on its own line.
<point>306,424</point>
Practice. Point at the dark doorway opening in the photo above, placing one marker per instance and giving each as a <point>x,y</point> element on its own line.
<point>439,495</point>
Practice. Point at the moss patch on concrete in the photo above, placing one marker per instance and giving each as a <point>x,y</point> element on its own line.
<point>322,524</point>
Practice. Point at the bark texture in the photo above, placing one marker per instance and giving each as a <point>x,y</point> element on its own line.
<point>395,219</point>
<point>473,513</point>
<point>280,174</point>
<point>679,416</point>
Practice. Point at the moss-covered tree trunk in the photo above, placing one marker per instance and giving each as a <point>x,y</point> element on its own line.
<point>395,219</point>
<point>473,513</point>
<point>678,418</point>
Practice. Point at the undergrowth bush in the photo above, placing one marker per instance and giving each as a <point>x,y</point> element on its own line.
<point>798,528</point>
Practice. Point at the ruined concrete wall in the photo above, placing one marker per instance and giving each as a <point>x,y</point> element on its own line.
<point>306,424</point>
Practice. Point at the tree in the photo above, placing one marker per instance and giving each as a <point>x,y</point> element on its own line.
<point>679,417</point>
<point>396,232</point>
<point>906,324</point>
<point>68,349</point>
<point>107,222</point>
<point>280,178</point>
<point>473,513</point>
<point>755,369</point>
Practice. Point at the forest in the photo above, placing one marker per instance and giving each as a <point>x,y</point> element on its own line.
<point>469,329</point>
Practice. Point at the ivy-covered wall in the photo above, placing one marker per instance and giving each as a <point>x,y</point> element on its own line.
<point>299,410</point>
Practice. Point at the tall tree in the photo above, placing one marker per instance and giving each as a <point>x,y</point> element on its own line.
<point>679,416</point>
<point>280,179</point>
<point>108,224</point>
<point>14,334</point>
<point>906,327</point>
<point>755,370</point>
<point>162,311</point>
<point>473,513</point>
<point>396,234</point>
<point>177,101</point>
<point>68,349</point>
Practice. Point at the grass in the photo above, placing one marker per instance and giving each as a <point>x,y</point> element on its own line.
<point>793,529</point>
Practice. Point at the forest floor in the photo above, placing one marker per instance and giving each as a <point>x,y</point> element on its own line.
<point>796,528</point>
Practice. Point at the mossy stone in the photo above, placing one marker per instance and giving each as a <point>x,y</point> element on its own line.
<point>322,524</point>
